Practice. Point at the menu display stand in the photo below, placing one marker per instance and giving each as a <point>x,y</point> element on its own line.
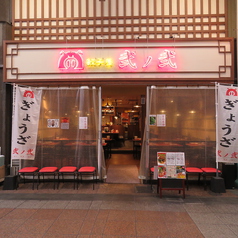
<point>170,184</point>
<point>171,173</point>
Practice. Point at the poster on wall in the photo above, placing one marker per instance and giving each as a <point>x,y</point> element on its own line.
<point>152,120</point>
<point>65,123</point>
<point>53,123</point>
<point>171,165</point>
<point>83,123</point>
<point>161,120</point>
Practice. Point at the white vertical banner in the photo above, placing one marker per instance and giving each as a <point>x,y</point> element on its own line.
<point>26,113</point>
<point>227,124</point>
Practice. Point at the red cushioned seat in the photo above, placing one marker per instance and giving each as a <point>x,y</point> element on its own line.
<point>210,170</point>
<point>88,171</point>
<point>49,171</point>
<point>67,170</point>
<point>28,171</point>
<point>193,170</point>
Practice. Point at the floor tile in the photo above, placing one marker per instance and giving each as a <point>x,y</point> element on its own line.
<point>218,231</point>
<point>73,214</point>
<point>34,227</point>
<point>151,228</point>
<point>119,228</point>
<point>120,215</point>
<point>47,214</point>
<point>65,227</point>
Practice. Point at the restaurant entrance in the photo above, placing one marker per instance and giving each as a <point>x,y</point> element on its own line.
<point>123,116</point>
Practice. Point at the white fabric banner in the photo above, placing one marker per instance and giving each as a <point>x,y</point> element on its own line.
<point>227,124</point>
<point>26,112</point>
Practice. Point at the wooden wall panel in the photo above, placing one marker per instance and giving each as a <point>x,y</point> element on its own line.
<point>118,19</point>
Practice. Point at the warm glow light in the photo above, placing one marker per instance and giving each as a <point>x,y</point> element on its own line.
<point>148,61</point>
<point>126,59</point>
<point>165,59</point>
<point>99,62</point>
<point>71,60</point>
<point>192,112</point>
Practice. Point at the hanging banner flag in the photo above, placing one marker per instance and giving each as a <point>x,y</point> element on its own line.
<point>227,124</point>
<point>26,112</point>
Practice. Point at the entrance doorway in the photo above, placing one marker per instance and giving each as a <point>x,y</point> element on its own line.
<point>123,116</point>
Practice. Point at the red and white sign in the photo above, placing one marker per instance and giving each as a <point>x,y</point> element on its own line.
<point>227,126</point>
<point>25,122</point>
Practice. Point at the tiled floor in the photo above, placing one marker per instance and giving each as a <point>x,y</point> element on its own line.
<point>116,210</point>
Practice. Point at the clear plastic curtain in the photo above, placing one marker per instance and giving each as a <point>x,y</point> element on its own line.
<point>190,126</point>
<point>69,129</point>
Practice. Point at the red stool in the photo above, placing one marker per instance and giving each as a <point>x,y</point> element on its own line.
<point>208,171</point>
<point>87,171</point>
<point>67,170</point>
<point>28,171</point>
<point>49,171</point>
<point>193,170</point>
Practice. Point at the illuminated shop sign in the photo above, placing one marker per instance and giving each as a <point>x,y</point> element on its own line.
<point>73,60</point>
<point>99,62</point>
<point>165,59</point>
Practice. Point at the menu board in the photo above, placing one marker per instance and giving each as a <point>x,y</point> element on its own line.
<point>171,165</point>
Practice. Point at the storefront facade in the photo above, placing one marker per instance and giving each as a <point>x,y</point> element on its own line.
<point>158,44</point>
<point>58,70</point>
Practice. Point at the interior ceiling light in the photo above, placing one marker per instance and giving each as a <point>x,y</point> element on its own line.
<point>137,105</point>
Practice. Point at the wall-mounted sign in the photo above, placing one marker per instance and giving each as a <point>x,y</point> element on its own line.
<point>151,61</point>
<point>83,123</point>
<point>53,123</point>
<point>161,120</point>
<point>65,123</point>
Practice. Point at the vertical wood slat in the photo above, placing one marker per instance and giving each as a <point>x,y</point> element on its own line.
<point>28,9</point>
<point>124,18</point>
<point>117,20</point>
<point>42,9</point>
<point>186,18</point>
<point>162,13</point>
<point>87,16</point>
<point>50,9</point>
<point>209,17</point>
<point>79,9</point>
<point>20,11</point>
<point>35,10</point>
<point>132,21</point>
<point>140,18</point>
<point>94,19</point>
<point>147,19</point>
<point>226,14</point>
<point>102,11</point>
